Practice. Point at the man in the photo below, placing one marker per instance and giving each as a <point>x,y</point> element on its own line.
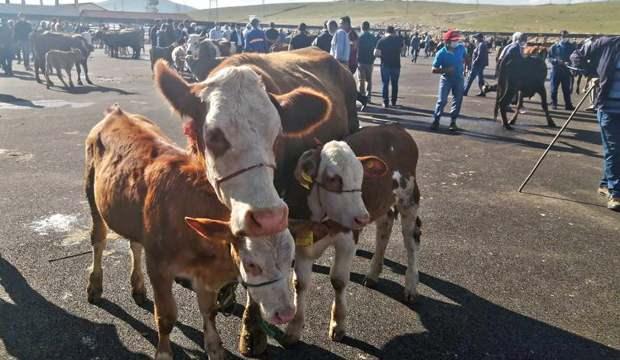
<point>353,41</point>
<point>428,40</point>
<point>480,60</point>
<point>388,49</point>
<point>415,47</point>
<point>215,33</point>
<point>6,47</point>
<point>272,34</point>
<point>602,59</point>
<point>255,38</point>
<point>559,57</point>
<point>301,38</point>
<point>341,47</point>
<point>449,63</point>
<point>515,48</point>
<point>153,32</point>
<point>23,29</point>
<point>324,40</point>
<point>365,60</point>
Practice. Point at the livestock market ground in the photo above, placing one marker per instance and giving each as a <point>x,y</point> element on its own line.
<point>503,275</point>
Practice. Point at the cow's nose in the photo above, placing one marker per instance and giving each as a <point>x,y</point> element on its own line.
<point>362,220</point>
<point>283,316</point>
<point>262,222</point>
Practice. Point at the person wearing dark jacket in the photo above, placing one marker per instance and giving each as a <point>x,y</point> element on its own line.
<point>301,38</point>
<point>480,60</point>
<point>601,59</point>
<point>559,56</point>
<point>324,40</point>
<point>365,60</point>
<point>6,47</point>
<point>23,29</point>
<point>388,49</point>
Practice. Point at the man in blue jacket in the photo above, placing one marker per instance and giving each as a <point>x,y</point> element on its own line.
<point>449,63</point>
<point>480,60</point>
<point>559,56</point>
<point>255,38</point>
<point>601,59</point>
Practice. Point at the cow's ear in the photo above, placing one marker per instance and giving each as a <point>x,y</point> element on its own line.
<point>302,110</point>
<point>307,167</point>
<point>373,166</point>
<point>210,229</point>
<point>184,97</point>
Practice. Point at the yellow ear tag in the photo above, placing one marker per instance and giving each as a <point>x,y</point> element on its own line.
<point>306,180</point>
<point>305,239</point>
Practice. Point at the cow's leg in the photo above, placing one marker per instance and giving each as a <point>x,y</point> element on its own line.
<point>503,105</point>
<point>59,74</point>
<point>543,102</point>
<point>138,291</point>
<point>339,275</point>
<point>207,302</point>
<point>303,281</point>
<point>382,237</point>
<point>85,65</point>
<point>48,82</point>
<point>252,339</point>
<point>37,67</point>
<point>98,241</point>
<point>411,240</point>
<point>78,69</point>
<point>69,76</point>
<point>165,306</point>
<point>519,106</point>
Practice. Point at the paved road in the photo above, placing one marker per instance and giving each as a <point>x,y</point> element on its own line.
<point>504,275</point>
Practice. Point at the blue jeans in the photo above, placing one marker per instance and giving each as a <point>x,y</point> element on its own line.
<point>560,77</point>
<point>476,71</point>
<point>452,84</point>
<point>610,133</point>
<point>388,75</point>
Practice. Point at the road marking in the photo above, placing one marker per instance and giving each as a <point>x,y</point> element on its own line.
<point>57,223</point>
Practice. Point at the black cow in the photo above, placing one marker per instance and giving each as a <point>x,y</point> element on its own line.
<point>525,77</point>
<point>133,38</point>
<point>165,53</point>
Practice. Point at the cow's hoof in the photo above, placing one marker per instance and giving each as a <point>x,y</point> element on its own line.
<point>89,82</point>
<point>94,294</point>
<point>289,339</point>
<point>410,296</point>
<point>217,354</point>
<point>139,297</point>
<point>163,356</point>
<point>252,344</point>
<point>370,283</point>
<point>551,124</point>
<point>507,127</point>
<point>336,334</point>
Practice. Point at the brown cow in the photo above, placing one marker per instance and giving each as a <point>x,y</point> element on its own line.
<point>139,184</point>
<point>247,103</point>
<point>389,187</point>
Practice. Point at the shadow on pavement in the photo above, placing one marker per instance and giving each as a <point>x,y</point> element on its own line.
<point>474,328</point>
<point>31,327</point>
<point>10,99</point>
<point>81,90</point>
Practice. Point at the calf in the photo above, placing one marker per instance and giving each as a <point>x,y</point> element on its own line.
<point>139,184</point>
<point>156,53</point>
<point>525,77</point>
<point>350,198</point>
<point>61,60</point>
<point>178,55</point>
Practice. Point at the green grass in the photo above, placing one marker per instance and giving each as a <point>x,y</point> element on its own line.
<point>581,18</point>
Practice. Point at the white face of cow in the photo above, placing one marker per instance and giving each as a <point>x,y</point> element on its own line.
<point>264,265</point>
<point>265,268</point>
<point>236,122</point>
<point>240,130</point>
<point>193,45</point>
<point>336,189</point>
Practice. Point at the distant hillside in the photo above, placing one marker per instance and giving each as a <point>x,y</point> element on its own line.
<point>578,18</point>
<point>165,6</point>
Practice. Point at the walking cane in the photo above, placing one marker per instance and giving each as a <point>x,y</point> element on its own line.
<point>542,157</point>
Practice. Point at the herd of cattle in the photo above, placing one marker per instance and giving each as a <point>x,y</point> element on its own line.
<point>265,182</point>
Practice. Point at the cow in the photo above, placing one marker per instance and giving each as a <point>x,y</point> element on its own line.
<point>141,185</point>
<point>43,42</point>
<point>333,199</point>
<point>203,58</point>
<point>61,60</point>
<point>255,115</point>
<point>165,53</point>
<point>133,38</point>
<point>524,77</point>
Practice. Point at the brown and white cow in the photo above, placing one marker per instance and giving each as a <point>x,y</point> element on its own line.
<point>257,113</point>
<point>387,184</point>
<point>142,186</point>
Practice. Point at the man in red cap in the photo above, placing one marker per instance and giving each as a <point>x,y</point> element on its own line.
<point>449,63</point>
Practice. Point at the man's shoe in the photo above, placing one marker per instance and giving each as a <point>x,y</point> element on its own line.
<point>386,105</point>
<point>554,107</point>
<point>613,203</point>
<point>453,126</point>
<point>603,191</point>
<point>570,108</point>
<point>481,94</point>
<point>435,125</point>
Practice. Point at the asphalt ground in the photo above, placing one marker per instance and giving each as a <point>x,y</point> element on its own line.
<point>504,275</point>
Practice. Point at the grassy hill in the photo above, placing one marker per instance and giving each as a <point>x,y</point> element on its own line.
<point>580,18</point>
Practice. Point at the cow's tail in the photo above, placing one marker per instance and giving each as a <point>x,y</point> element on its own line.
<point>99,229</point>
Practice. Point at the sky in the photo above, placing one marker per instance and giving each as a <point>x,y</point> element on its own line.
<point>204,4</point>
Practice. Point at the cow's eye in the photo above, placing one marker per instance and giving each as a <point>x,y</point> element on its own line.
<point>253,269</point>
<point>216,141</point>
<point>334,183</point>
